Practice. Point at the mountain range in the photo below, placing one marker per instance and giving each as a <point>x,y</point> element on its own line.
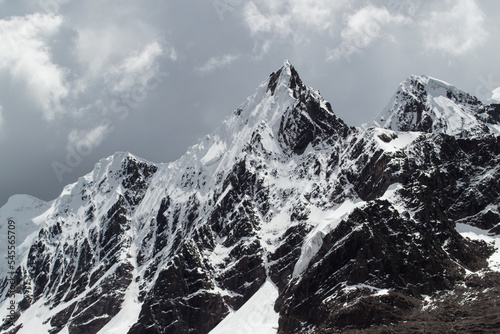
<point>283,220</point>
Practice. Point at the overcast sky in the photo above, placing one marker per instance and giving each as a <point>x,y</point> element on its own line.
<point>80,80</point>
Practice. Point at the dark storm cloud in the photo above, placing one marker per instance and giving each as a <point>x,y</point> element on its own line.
<point>81,80</point>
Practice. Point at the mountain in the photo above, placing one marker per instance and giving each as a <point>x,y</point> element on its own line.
<point>283,220</point>
<point>426,104</point>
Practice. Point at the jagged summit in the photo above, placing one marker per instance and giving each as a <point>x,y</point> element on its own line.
<point>283,118</point>
<point>430,84</point>
<point>422,103</point>
<point>288,77</point>
<point>115,163</point>
<point>436,88</point>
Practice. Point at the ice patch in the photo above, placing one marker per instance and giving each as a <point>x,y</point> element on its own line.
<point>496,95</point>
<point>214,154</point>
<point>375,291</point>
<point>256,316</point>
<point>475,233</point>
<point>129,312</point>
<point>21,210</point>
<point>397,140</point>
<point>34,318</point>
<point>327,222</point>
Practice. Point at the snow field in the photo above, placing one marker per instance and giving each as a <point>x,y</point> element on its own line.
<point>256,316</point>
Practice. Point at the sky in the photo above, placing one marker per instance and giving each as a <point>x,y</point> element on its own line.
<point>80,80</point>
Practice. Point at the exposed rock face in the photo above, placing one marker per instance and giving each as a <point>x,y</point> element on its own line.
<point>430,105</point>
<point>376,260</point>
<point>358,229</point>
<point>307,121</point>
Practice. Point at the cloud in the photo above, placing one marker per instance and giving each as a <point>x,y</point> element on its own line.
<point>286,20</point>
<point>102,43</point>
<point>1,117</point>
<point>290,18</point>
<point>117,52</point>
<point>363,28</point>
<point>455,30</point>
<point>137,68</point>
<point>88,139</point>
<point>26,55</point>
<point>215,63</point>
<point>98,48</point>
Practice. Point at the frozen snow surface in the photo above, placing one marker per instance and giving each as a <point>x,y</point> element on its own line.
<point>21,211</point>
<point>257,316</point>
<point>327,221</point>
<point>496,95</point>
<point>475,233</point>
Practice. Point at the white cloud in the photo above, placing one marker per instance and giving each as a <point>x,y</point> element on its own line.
<point>88,139</point>
<point>101,45</point>
<point>255,20</point>
<point>363,28</point>
<point>215,63</point>
<point>119,51</point>
<point>26,55</point>
<point>455,30</point>
<point>173,54</point>
<point>137,68</point>
<point>297,20</point>
<point>291,18</point>
<point>94,46</point>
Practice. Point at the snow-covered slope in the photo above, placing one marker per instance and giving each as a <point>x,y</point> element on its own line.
<point>256,316</point>
<point>282,209</point>
<point>19,216</point>
<point>423,103</point>
<point>496,95</point>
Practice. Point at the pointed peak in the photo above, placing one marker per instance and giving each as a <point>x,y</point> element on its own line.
<point>427,85</point>
<point>117,159</point>
<point>121,157</point>
<point>286,76</point>
<point>283,116</point>
<point>116,163</point>
<point>421,86</point>
<point>426,104</point>
<point>422,78</point>
<point>415,81</point>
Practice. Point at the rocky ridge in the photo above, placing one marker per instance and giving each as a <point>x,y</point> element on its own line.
<point>376,229</point>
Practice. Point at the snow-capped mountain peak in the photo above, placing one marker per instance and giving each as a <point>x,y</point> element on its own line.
<point>422,103</point>
<point>282,118</point>
<point>433,86</point>
<point>285,78</point>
